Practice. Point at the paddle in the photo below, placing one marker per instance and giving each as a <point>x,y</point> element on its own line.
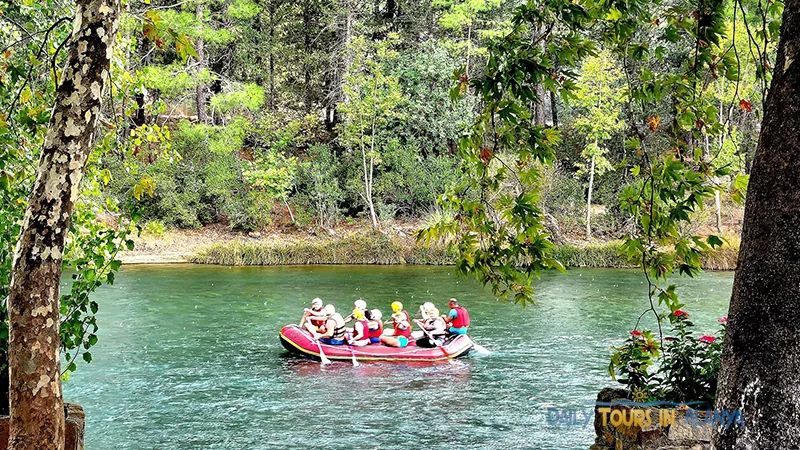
<point>355,361</point>
<point>427,333</point>
<point>323,360</point>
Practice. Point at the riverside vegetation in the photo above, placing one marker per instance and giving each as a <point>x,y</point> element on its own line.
<point>514,134</point>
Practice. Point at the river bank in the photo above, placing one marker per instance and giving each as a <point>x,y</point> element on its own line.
<point>355,245</point>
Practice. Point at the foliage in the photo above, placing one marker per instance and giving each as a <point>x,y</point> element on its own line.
<point>372,95</point>
<point>323,192</point>
<point>682,370</point>
<point>36,34</point>
<point>356,248</point>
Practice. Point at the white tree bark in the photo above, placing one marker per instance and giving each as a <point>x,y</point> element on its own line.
<point>589,199</point>
<point>37,410</point>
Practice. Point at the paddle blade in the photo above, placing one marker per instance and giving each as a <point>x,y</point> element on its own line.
<point>322,358</point>
<point>481,350</point>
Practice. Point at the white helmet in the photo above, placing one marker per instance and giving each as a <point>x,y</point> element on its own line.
<point>330,309</point>
<point>427,306</point>
<point>360,304</point>
<point>376,314</point>
<point>316,303</point>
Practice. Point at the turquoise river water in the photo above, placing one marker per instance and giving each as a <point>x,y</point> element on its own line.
<point>189,358</point>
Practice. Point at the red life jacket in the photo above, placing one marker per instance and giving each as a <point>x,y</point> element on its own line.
<point>407,331</point>
<point>365,330</point>
<point>462,319</point>
<point>320,321</point>
<point>377,332</point>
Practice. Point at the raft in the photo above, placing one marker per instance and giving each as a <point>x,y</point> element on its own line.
<point>300,342</point>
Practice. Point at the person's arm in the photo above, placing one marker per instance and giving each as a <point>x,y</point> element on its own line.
<point>306,313</point>
<point>359,332</point>
<point>328,330</point>
<point>450,316</point>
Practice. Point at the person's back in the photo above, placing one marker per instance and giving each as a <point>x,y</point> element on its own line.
<point>434,326</point>
<point>360,329</point>
<point>457,318</point>
<point>375,326</point>
<point>334,328</point>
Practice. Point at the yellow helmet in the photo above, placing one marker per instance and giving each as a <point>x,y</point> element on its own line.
<point>397,306</point>
<point>358,314</point>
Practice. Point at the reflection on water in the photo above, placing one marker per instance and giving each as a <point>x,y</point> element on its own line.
<point>189,358</point>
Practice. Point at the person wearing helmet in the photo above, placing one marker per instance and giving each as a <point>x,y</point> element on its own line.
<point>375,325</point>
<point>314,318</point>
<point>360,335</point>
<point>457,318</point>
<point>434,327</point>
<point>334,332</point>
<point>360,305</point>
<point>402,327</point>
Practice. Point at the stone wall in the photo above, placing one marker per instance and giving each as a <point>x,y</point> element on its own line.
<point>620,425</point>
<point>74,423</point>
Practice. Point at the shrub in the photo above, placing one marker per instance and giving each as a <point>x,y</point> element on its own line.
<point>320,190</point>
<point>685,370</point>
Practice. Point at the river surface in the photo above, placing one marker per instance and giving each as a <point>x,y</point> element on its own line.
<point>189,358</point>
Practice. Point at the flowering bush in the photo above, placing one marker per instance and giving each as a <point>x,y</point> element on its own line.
<point>678,368</point>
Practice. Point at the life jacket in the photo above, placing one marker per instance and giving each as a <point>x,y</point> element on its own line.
<point>375,332</point>
<point>462,320</point>
<point>432,328</point>
<point>339,328</point>
<point>407,331</point>
<point>364,330</point>
<point>317,319</point>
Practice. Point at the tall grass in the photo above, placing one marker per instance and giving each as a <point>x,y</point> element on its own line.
<point>592,255</point>
<point>367,248</point>
<point>376,248</point>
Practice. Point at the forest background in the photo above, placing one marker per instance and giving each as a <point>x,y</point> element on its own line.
<point>291,131</point>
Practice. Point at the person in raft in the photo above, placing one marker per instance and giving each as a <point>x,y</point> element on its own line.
<point>434,326</point>
<point>457,318</point>
<point>314,319</point>
<point>375,326</point>
<point>360,336</point>
<point>359,305</point>
<point>334,328</point>
<point>402,327</point>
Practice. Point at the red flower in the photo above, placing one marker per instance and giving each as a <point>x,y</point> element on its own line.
<point>637,334</point>
<point>723,320</point>
<point>707,339</point>
<point>680,313</point>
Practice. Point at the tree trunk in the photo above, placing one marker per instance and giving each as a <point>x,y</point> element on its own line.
<point>201,91</point>
<point>307,57</point>
<point>589,200</point>
<point>554,109</point>
<point>714,180</point>
<point>37,410</point>
<point>368,177</point>
<point>469,50</point>
<point>760,373</point>
<point>272,25</point>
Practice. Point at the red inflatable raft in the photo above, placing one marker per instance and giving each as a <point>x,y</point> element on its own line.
<point>299,341</point>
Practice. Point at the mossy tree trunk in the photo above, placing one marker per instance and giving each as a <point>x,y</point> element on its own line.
<point>37,410</point>
<point>761,357</point>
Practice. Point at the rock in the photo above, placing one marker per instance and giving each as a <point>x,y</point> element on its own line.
<point>330,231</point>
<point>254,234</point>
<point>690,431</point>
<point>73,428</point>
